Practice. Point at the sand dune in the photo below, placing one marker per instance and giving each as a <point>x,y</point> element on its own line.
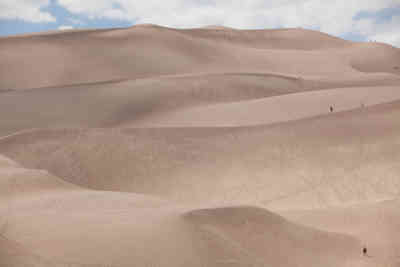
<point>208,237</point>
<point>307,163</point>
<point>88,56</point>
<point>374,224</point>
<point>296,38</point>
<point>384,58</point>
<point>113,103</point>
<point>148,100</point>
<point>154,146</point>
<point>274,109</point>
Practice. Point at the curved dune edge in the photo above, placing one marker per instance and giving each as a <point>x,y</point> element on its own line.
<point>155,146</point>
<point>237,235</point>
<point>263,165</point>
<point>112,104</point>
<point>115,104</point>
<point>183,51</point>
<point>376,57</point>
<point>274,109</point>
<point>383,217</point>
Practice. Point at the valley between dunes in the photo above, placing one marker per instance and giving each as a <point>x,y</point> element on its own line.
<point>154,146</point>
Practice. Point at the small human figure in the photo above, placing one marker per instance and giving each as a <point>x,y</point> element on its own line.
<point>364,251</point>
<point>331,108</point>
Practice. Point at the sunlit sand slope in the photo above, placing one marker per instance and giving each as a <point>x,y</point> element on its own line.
<point>342,158</point>
<point>75,57</point>
<point>153,146</point>
<point>47,221</point>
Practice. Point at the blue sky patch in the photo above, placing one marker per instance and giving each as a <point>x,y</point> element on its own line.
<point>374,25</point>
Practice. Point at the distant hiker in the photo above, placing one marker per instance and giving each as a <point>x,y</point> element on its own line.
<point>331,108</point>
<point>364,251</point>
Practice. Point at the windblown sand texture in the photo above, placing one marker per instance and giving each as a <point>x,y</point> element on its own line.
<point>152,146</point>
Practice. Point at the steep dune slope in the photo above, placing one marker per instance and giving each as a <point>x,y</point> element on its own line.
<point>77,57</point>
<point>68,226</point>
<point>295,38</point>
<point>376,57</point>
<point>90,56</point>
<point>154,100</point>
<point>307,163</point>
<point>273,109</point>
<point>109,104</point>
<point>375,224</point>
<point>153,146</point>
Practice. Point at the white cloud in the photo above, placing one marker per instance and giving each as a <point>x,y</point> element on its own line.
<point>330,16</point>
<point>96,8</point>
<point>75,21</point>
<point>65,27</point>
<point>333,17</point>
<point>387,32</point>
<point>27,10</point>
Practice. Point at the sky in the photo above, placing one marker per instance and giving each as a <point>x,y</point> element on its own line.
<point>358,20</point>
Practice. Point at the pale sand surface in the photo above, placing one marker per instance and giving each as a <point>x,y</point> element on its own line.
<point>153,146</point>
